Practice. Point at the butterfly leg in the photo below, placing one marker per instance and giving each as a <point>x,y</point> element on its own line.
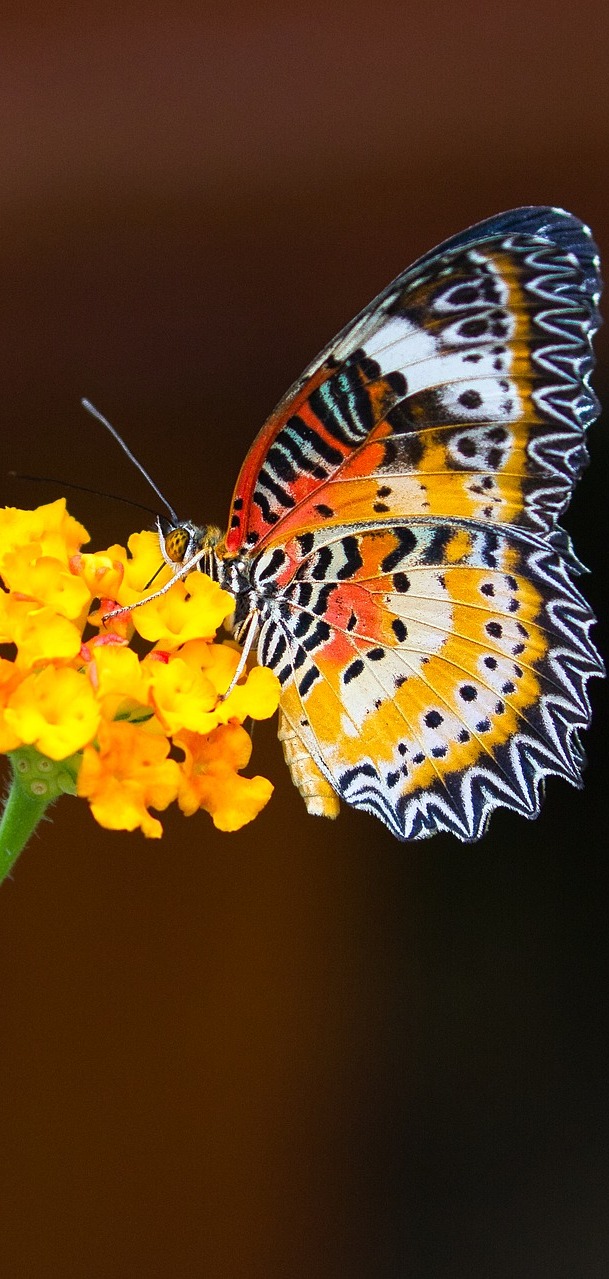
<point>319,796</point>
<point>180,571</point>
<point>250,626</point>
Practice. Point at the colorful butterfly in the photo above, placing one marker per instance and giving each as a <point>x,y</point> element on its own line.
<point>393,544</point>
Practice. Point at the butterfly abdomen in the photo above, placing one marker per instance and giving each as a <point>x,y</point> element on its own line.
<point>319,796</point>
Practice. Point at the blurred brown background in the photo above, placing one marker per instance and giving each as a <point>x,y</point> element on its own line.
<point>303,1050</point>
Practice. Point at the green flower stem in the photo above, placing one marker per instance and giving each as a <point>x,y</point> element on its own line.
<point>36,783</point>
<point>19,820</point>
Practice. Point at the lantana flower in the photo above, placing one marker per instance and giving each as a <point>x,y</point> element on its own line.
<point>83,712</point>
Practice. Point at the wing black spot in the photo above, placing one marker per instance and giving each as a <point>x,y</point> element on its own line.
<point>308,680</point>
<point>399,629</point>
<point>433,719</point>
<point>353,670</point>
<point>468,693</point>
<point>306,542</point>
<point>470,399</point>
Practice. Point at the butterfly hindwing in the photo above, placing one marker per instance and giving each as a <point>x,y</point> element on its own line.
<point>433,670</point>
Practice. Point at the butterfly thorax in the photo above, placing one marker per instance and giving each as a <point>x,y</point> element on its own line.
<point>233,575</point>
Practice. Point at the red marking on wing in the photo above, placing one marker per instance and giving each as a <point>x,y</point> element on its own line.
<point>246,480</point>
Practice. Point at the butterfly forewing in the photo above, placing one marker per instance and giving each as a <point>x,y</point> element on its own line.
<point>464,383</point>
<point>397,516</point>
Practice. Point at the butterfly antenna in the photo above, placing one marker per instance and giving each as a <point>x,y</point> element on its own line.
<point>81,488</point>
<point>104,421</point>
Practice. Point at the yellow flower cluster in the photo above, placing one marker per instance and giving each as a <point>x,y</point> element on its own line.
<point>145,725</point>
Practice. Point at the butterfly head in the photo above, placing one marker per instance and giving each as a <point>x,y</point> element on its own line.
<point>186,542</point>
<point>184,546</point>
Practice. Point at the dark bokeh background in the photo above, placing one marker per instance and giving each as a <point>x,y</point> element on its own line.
<point>302,1050</point>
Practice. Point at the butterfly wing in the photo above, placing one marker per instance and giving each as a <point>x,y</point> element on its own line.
<point>461,390</point>
<point>433,670</point>
<point>398,513</point>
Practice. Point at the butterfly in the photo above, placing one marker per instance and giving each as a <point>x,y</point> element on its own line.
<point>393,546</point>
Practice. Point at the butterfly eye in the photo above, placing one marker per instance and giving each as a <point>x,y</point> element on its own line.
<point>176,544</point>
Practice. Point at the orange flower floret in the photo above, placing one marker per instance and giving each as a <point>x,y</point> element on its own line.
<point>127,773</point>
<point>256,698</point>
<point>142,562</point>
<point>37,631</point>
<point>121,682</point>
<point>182,697</point>
<point>58,534</point>
<point>46,580</point>
<point>55,710</point>
<point>101,573</point>
<point>209,777</point>
<point>190,610</point>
